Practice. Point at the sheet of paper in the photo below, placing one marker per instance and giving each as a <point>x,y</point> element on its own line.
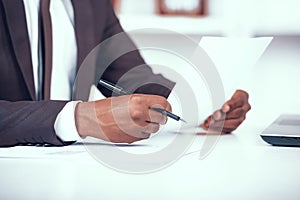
<point>235,58</point>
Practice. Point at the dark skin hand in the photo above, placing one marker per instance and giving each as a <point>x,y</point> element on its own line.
<point>124,119</point>
<point>231,115</point>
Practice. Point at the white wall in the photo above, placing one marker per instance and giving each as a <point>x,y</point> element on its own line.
<point>263,8</point>
<point>243,16</point>
<point>129,7</point>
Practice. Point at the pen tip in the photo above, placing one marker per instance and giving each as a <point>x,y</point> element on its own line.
<point>183,120</point>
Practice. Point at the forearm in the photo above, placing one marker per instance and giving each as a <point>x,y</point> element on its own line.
<point>29,122</point>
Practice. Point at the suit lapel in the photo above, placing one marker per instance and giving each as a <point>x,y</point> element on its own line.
<point>83,28</point>
<point>16,21</point>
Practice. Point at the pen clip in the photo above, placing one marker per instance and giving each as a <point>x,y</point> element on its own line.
<point>112,87</point>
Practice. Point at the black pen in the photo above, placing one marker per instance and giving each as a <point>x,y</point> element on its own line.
<point>168,114</point>
<point>119,90</point>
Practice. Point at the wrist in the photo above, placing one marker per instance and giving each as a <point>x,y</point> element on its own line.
<point>86,119</point>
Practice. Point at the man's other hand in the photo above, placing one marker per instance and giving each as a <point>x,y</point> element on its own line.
<point>231,115</point>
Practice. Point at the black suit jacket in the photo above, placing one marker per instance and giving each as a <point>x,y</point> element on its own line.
<point>23,120</point>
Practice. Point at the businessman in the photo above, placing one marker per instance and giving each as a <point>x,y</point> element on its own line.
<point>42,46</point>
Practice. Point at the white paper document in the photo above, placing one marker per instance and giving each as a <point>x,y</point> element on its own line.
<point>235,58</point>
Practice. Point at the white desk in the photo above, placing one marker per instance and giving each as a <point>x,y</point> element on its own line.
<point>241,166</point>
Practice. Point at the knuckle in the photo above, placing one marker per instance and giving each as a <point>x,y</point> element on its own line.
<point>165,103</point>
<point>246,94</point>
<point>249,107</point>
<point>155,128</point>
<point>241,112</point>
<point>169,108</point>
<point>160,98</point>
<point>164,120</point>
<point>162,101</point>
<point>215,114</point>
<point>136,98</point>
<point>136,115</point>
<point>145,135</point>
<point>243,93</point>
<point>240,121</point>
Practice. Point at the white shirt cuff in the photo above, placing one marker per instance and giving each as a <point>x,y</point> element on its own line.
<point>64,126</point>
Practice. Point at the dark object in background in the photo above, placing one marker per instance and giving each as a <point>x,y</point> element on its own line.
<point>183,7</point>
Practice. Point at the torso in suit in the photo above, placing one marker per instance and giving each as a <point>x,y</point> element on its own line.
<point>23,120</point>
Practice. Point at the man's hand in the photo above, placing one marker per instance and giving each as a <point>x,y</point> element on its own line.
<point>123,119</point>
<point>231,115</point>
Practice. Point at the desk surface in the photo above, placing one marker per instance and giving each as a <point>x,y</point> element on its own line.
<point>241,166</point>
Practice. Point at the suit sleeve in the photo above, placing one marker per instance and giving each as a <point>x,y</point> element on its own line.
<point>130,70</point>
<point>29,123</point>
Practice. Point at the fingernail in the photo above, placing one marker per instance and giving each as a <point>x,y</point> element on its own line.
<point>226,108</point>
<point>218,115</point>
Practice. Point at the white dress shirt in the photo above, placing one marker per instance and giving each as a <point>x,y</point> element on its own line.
<point>64,60</point>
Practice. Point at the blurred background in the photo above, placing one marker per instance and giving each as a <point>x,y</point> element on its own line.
<point>273,82</point>
<point>218,17</point>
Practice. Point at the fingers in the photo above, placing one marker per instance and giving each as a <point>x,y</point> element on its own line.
<point>232,104</point>
<point>144,121</point>
<point>141,112</point>
<point>151,128</point>
<point>225,126</point>
<point>142,134</point>
<point>239,99</point>
<point>235,114</point>
<point>126,138</point>
<point>231,115</point>
<point>169,109</point>
<point>156,117</point>
<point>127,119</point>
<point>219,115</point>
<point>143,118</point>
